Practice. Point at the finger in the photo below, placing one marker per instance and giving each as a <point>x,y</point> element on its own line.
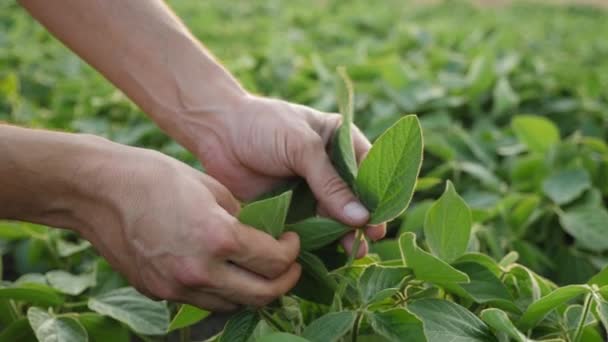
<point>246,288</point>
<point>360,143</point>
<point>222,195</point>
<point>260,253</point>
<point>208,301</point>
<point>376,232</point>
<point>331,191</point>
<point>348,242</point>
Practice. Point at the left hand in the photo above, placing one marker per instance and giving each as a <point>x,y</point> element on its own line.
<point>260,142</point>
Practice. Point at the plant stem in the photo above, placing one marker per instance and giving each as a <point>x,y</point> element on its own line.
<point>268,318</point>
<point>74,305</point>
<point>581,324</point>
<point>184,334</point>
<point>356,326</point>
<point>337,304</point>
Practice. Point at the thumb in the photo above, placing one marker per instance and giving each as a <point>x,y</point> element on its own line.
<point>331,191</point>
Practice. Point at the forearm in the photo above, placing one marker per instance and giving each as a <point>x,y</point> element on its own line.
<point>41,175</point>
<point>145,50</point>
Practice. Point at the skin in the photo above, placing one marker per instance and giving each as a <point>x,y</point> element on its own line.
<point>168,228</point>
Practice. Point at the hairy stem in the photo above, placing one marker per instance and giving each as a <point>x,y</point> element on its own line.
<point>270,320</point>
<point>356,326</point>
<point>581,324</point>
<point>337,304</point>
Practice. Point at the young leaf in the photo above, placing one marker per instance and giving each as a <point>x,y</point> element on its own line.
<point>397,325</point>
<point>588,226</point>
<point>49,328</point>
<point>36,294</point>
<point>380,278</point>
<point>103,329</point>
<point>388,174</point>
<point>499,321</point>
<point>68,283</point>
<point>565,186</point>
<point>536,132</point>
<point>240,327</point>
<point>329,327</point>
<point>317,232</point>
<point>426,267</point>
<point>141,314</point>
<point>187,316</point>
<point>447,227</point>
<point>448,321</point>
<point>342,150</point>
<point>539,309</point>
<point>315,284</point>
<point>267,215</point>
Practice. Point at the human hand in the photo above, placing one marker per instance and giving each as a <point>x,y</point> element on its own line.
<point>258,143</point>
<point>171,231</point>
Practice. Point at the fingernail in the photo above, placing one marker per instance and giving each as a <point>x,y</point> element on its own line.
<point>356,212</point>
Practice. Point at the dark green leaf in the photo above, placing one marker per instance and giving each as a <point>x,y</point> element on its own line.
<point>588,226</point>
<point>397,325</point>
<point>317,232</point>
<point>537,310</point>
<point>342,151</point>
<point>37,294</point>
<point>19,330</point>
<point>315,284</point>
<point>281,337</point>
<point>240,326</point>
<point>329,327</point>
<point>499,321</point>
<point>102,329</point>
<point>565,186</point>
<point>380,278</point>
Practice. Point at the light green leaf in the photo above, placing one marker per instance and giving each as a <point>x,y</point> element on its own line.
<point>504,98</point>
<point>240,326</point>
<point>317,232</point>
<point>329,327</point>
<point>601,310</point>
<point>499,321</point>
<point>388,174</point>
<point>387,249</point>
<point>414,216</point>
<point>447,227</point>
<point>536,132</point>
<point>397,325</point>
<point>448,321</point>
<point>187,316</point>
<point>68,283</point>
<point>573,317</point>
<point>141,314</point>
<point>380,278</point>
<point>32,293</point>
<point>565,186</point>
<point>539,309</point>
<point>481,74</point>
<point>342,150</point>
<point>588,226</point>
<point>481,259</point>
<point>49,328</point>
<point>67,248</point>
<point>425,183</point>
<point>103,329</point>
<point>267,215</point>
<point>509,259</point>
<point>426,267</point>
<point>281,337</point>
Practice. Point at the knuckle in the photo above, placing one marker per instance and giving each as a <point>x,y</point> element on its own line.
<point>334,186</point>
<point>224,243</point>
<point>191,275</point>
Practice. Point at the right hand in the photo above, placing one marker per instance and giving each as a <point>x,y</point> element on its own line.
<point>171,230</point>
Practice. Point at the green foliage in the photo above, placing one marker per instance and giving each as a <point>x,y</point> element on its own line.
<point>504,258</point>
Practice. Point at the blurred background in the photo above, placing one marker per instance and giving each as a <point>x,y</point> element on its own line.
<point>466,69</point>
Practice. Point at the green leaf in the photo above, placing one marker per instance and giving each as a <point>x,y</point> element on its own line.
<point>426,267</point>
<point>414,216</point>
<point>102,329</point>
<point>565,186</point>
<point>67,248</point>
<point>499,321</point>
<point>32,293</point>
<point>573,317</point>
<point>386,249</point>
<point>19,330</point>
<point>317,232</point>
<point>601,310</point>
<point>447,227</point>
<point>380,278</point>
<point>536,132</point>
<point>397,325</point>
<point>281,337</point>
<point>539,309</point>
<point>315,284</point>
<point>240,326</point>
<point>588,226</point>
<point>329,327</point>
<point>600,279</point>
<point>448,321</point>
<point>481,259</point>
<point>342,150</point>
<point>68,283</point>
<point>141,314</point>
<point>485,287</point>
<point>388,174</point>
<point>504,98</point>
<point>187,316</point>
<point>267,215</point>
<point>49,328</point>
<point>426,183</point>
